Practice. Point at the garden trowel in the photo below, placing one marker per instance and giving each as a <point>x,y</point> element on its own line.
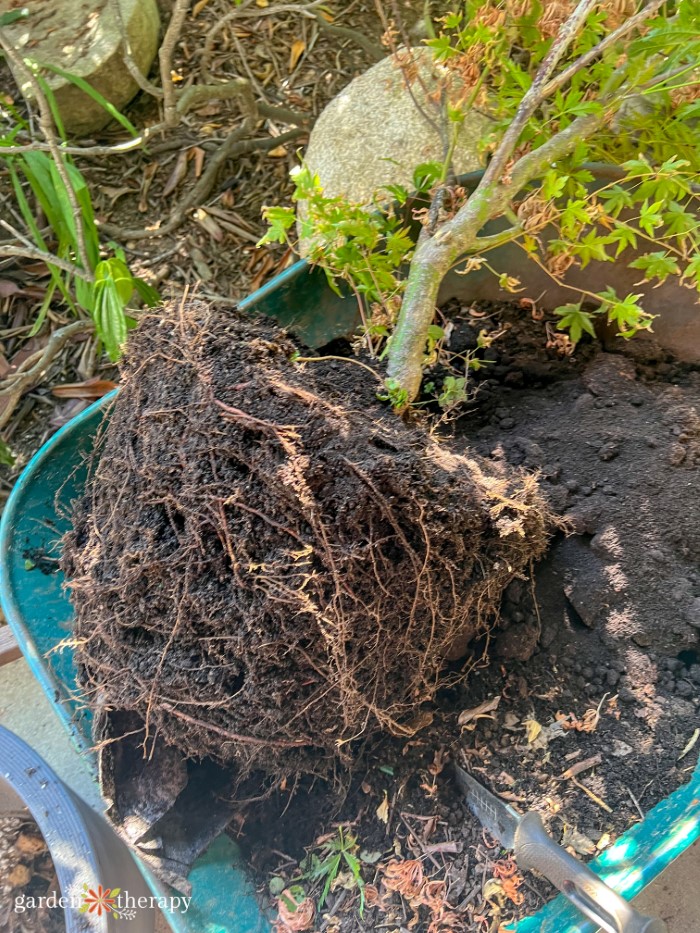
<point>534,849</point>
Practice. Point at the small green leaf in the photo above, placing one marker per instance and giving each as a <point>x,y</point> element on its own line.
<point>6,19</point>
<point>658,265</point>
<point>575,321</point>
<point>426,174</point>
<point>276,885</point>
<point>7,457</point>
<point>650,217</point>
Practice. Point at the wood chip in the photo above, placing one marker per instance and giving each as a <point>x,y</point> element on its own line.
<point>594,797</point>
<point>581,766</point>
<point>478,712</point>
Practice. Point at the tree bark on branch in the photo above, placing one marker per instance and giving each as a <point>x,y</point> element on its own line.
<point>502,180</point>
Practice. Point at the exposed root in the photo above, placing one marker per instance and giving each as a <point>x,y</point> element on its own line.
<point>280,562</point>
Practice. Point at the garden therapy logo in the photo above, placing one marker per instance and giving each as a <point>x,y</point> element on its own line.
<point>97,901</point>
<point>101,900</point>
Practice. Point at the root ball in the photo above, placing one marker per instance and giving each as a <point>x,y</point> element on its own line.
<point>267,564</point>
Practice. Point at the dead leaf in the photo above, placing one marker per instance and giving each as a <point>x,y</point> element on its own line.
<point>91,388</point>
<point>555,730</point>
<point>199,155</point>
<point>423,719</point>
<point>439,759</point>
<point>406,878</point>
<point>262,3</point>
<point>603,842</point>
<point>279,152</point>
<point>293,915</point>
<point>372,897</point>
<point>198,7</point>
<point>297,50</point>
<point>8,288</point>
<point>178,173</point>
<point>581,766</point>
<point>478,712</point>
<point>115,193</point>
<point>383,810</point>
<point>148,176</point>
<point>532,730</point>
<point>579,842</point>
<point>19,876</point>
<point>510,721</point>
<point>29,844</point>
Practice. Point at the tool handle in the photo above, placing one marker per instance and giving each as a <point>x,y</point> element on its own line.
<point>534,848</point>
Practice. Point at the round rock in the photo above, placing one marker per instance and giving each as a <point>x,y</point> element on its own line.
<point>377,130</point>
<point>84,38</point>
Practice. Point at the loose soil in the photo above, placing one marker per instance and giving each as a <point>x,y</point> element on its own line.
<point>604,637</point>
<point>26,871</point>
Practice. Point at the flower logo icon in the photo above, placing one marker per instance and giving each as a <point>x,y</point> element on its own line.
<point>100,900</point>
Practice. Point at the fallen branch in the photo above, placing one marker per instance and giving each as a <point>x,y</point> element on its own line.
<point>31,370</point>
<point>232,146</point>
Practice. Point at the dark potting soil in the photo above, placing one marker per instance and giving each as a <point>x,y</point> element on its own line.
<point>595,662</point>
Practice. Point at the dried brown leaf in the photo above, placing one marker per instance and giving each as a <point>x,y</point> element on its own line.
<point>295,920</point>
<point>478,712</point>
<point>297,50</point>
<point>91,388</point>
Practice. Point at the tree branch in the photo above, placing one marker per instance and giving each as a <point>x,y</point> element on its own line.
<point>567,74</point>
<point>33,368</point>
<point>27,252</point>
<point>534,95</point>
<point>165,58</point>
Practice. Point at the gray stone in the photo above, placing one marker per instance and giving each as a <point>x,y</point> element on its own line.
<point>83,37</point>
<point>373,134</point>
<point>694,613</point>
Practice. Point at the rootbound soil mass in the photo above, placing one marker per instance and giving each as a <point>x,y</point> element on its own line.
<point>583,702</point>
<point>268,565</point>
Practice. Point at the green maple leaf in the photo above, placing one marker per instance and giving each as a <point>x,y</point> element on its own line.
<point>575,321</point>
<point>658,265</point>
